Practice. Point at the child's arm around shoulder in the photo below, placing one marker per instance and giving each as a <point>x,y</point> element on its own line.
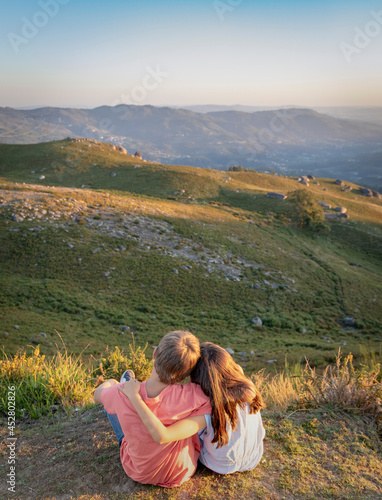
<point>103,386</point>
<point>161,434</point>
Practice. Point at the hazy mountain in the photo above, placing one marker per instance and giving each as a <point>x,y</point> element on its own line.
<point>210,108</point>
<point>371,114</point>
<point>287,140</point>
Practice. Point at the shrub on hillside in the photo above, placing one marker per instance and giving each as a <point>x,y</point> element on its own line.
<point>114,363</point>
<point>345,387</point>
<point>42,384</point>
<point>309,214</point>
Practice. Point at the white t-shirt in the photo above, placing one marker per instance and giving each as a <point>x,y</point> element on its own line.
<point>244,449</point>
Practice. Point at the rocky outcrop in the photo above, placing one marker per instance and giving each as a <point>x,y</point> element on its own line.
<point>138,155</point>
<point>277,196</point>
<point>366,192</point>
<point>323,204</point>
<point>336,216</point>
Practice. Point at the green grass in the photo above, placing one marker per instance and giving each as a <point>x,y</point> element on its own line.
<point>41,385</point>
<point>70,274</point>
<point>326,450</point>
<point>314,280</point>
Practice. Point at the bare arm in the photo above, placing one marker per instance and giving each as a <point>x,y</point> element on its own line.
<point>160,433</point>
<point>105,385</point>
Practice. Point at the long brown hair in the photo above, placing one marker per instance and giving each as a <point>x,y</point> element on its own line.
<point>224,382</point>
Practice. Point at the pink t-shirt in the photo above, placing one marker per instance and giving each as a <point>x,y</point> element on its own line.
<point>144,460</point>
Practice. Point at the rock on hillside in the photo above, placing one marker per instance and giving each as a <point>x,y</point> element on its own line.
<point>277,196</point>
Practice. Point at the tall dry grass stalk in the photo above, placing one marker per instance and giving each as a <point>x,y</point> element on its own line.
<point>278,391</point>
<point>345,387</point>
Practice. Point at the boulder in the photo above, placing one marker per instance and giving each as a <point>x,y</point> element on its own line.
<point>306,183</point>
<point>42,177</point>
<point>323,204</point>
<point>339,182</point>
<point>376,194</point>
<point>349,321</point>
<point>277,196</point>
<point>121,150</point>
<point>113,174</point>
<point>366,192</point>
<point>311,177</point>
<point>257,321</point>
<point>341,210</point>
<point>138,155</point>
<point>17,218</point>
<point>230,351</point>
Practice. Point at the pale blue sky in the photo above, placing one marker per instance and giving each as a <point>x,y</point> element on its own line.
<point>262,53</point>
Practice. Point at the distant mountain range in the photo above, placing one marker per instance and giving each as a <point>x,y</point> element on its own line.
<point>370,114</point>
<point>289,140</point>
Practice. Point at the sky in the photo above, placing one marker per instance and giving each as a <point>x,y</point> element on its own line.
<point>88,53</point>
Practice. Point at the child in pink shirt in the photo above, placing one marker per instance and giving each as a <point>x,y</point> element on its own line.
<point>144,460</point>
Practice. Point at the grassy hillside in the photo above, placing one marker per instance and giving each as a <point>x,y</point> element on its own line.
<point>106,245</point>
<point>157,247</point>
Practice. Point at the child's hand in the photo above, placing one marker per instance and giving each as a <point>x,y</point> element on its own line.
<point>130,388</point>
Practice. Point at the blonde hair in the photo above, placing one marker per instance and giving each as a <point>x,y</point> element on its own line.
<point>176,356</point>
